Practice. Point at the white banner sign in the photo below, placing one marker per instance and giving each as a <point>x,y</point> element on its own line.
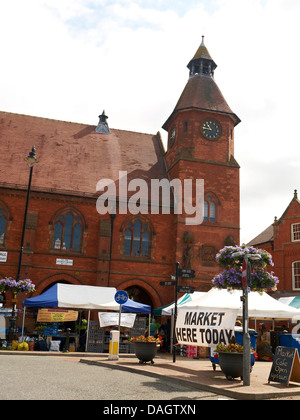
<point>112,318</point>
<point>3,256</point>
<point>204,327</point>
<point>63,261</point>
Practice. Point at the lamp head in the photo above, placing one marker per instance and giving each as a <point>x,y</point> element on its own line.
<point>31,159</point>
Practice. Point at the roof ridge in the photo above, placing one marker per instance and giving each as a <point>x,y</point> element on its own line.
<point>72,122</point>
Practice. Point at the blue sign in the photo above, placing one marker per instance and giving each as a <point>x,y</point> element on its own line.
<point>121,297</point>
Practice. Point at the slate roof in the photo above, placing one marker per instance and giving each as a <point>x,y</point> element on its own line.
<point>73,157</point>
<point>201,92</point>
<point>263,237</point>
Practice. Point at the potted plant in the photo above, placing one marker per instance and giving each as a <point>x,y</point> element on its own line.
<point>146,347</point>
<point>231,359</point>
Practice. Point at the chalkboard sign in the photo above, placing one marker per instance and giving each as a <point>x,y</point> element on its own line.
<point>286,366</point>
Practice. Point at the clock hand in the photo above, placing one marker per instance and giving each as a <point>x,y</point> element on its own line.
<point>207,127</point>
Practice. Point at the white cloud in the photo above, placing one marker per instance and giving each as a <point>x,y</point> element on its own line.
<point>70,59</point>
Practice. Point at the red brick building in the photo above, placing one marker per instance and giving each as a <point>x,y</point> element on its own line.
<point>67,240</point>
<point>282,241</point>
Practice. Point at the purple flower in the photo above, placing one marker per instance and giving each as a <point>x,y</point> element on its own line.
<point>10,284</point>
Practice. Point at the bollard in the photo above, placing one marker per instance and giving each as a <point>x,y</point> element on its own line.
<point>114,345</point>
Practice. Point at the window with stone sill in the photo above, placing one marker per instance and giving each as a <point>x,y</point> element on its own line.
<point>296,275</point>
<point>295,232</point>
<point>67,231</point>
<point>137,238</point>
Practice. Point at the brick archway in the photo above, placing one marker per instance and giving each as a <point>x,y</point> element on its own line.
<point>143,285</point>
<point>56,278</point>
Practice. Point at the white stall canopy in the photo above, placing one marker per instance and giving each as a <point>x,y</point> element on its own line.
<point>261,305</point>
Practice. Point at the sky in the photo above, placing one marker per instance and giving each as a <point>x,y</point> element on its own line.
<point>71,59</point>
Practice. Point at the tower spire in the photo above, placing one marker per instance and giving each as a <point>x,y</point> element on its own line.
<point>202,63</point>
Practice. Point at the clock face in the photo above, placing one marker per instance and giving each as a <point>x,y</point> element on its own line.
<point>211,129</point>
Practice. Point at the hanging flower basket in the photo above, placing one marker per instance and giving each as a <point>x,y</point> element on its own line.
<point>9,284</point>
<point>225,256</point>
<point>231,278</point>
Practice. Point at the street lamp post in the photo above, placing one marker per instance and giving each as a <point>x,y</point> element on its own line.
<point>31,160</point>
<point>244,299</point>
<point>175,312</point>
<point>112,219</point>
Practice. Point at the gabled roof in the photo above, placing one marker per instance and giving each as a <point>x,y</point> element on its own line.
<point>73,157</point>
<point>268,234</point>
<point>294,201</point>
<point>263,237</point>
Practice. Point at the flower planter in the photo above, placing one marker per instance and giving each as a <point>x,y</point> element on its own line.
<point>231,364</point>
<point>145,352</point>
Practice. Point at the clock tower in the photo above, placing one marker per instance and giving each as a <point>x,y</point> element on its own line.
<point>201,146</point>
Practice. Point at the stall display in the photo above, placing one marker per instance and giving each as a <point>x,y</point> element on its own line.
<point>68,296</point>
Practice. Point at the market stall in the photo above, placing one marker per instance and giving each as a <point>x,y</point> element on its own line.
<point>291,301</point>
<point>80,297</point>
<point>261,306</point>
<point>168,310</point>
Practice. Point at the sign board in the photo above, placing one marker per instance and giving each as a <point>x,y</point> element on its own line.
<point>56,315</point>
<point>203,327</point>
<point>185,289</point>
<point>3,256</point>
<point>121,297</point>
<point>185,273</point>
<point>285,366</point>
<point>167,283</point>
<point>63,261</point>
<point>112,318</point>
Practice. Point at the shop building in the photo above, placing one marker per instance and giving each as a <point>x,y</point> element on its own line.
<point>282,240</point>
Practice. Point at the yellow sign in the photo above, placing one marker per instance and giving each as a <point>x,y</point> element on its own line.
<point>56,315</point>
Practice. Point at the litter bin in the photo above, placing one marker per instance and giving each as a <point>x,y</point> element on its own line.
<point>290,340</point>
<point>238,333</point>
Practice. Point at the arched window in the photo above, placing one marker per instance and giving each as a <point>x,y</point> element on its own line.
<point>2,226</point>
<point>68,230</point>
<point>4,218</point>
<point>209,209</point>
<point>137,236</point>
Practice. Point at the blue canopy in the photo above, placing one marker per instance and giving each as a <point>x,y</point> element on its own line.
<point>136,307</point>
<point>83,297</point>
<point>48,299</point>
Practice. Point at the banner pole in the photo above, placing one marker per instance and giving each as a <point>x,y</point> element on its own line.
<point>23,323</point>
<point>175,313</point>
<point>87,332</point>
